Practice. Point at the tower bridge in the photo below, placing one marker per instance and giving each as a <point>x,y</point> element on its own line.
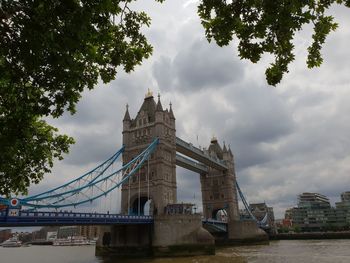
<point>150,153</point>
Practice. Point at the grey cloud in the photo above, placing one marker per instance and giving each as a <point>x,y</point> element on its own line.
<point>201,65</point>
<point>162,70</point>
<point>94,147</point>
<point>286,140</point>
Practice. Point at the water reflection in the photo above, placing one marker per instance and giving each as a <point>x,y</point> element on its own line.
<point>288,251</point>
<point>219,258</point>
<point>298,251</point>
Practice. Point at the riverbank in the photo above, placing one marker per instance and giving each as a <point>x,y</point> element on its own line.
<point>311,235</point>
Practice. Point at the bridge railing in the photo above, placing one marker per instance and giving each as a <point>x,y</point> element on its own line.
<point>66,214</point>
<point>33,218</point>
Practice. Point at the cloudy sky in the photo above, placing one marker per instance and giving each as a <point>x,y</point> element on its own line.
<point>286,139</point>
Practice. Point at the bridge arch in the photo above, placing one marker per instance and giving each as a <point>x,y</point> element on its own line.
<point>142,205</point>
<point>220,214</point>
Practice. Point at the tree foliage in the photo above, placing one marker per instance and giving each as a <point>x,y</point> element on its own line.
<point>268,26</point>
<point>50,51</point>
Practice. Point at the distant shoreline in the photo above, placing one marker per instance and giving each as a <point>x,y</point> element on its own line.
<point>311,235</point>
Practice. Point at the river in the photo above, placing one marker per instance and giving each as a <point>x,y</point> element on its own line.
<point>286,251</point>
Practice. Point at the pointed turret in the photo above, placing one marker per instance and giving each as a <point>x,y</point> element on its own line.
<point>159,104</point>
<point>215,148</point>
<point>224,148</point>
<point>127,115</point>
<point>148,108</point>
<point>171,112</point>
<point>229,150</point>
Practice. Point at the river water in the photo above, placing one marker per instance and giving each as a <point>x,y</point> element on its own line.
<point>286,251</point>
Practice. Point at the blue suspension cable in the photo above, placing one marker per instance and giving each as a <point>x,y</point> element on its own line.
<point>137,162</point>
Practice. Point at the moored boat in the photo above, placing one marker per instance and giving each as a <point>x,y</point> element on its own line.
<point>12,242</point>
<point>72,241</point>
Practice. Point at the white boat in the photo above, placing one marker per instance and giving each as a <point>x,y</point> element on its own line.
<point>12,242</point>
<point>72,241</point>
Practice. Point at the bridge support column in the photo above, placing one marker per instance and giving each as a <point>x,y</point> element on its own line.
<point>171,235</point>
<point>181,235</point>
<point>242,232</point>
<point>124,241</point>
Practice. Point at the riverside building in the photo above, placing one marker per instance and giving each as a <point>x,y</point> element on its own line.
<point>315,213</point>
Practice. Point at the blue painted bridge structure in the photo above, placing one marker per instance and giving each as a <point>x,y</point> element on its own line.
<point>141,175</point>
<point>41,218</point>
<point>45,209</point>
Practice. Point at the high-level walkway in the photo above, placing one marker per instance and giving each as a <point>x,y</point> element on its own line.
<point>197,154</point>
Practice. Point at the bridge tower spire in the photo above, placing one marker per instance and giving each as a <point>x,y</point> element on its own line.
<point>158,177</point>
<point>218,187</point>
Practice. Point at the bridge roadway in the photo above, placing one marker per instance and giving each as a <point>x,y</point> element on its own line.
<point>199,155</point>
<point>29,218</point>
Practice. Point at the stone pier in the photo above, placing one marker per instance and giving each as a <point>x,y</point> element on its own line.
<point>171,235</point>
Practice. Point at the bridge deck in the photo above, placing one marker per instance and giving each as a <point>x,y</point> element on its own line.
<point>26,218</point>
<point>215,225</point>
<point>197,154</point>
<point>190,165</point>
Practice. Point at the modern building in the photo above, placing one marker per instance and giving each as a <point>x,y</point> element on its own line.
<point>68,231</point>
<point>313,201</point>
<point>345,196</point>
<point>41,234</point>
<point>343,207</point>
<point>90,232</point>
<point>315,213</point>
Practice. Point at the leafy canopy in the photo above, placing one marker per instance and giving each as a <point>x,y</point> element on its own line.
<point>50,51</point>
<point>268,26</point>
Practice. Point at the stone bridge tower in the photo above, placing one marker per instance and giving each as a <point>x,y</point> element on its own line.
<point>178,233</point>
<point>151,121</point>
<point>219,187</point>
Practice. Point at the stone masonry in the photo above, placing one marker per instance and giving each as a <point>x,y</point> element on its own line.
<point>150,122</point>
